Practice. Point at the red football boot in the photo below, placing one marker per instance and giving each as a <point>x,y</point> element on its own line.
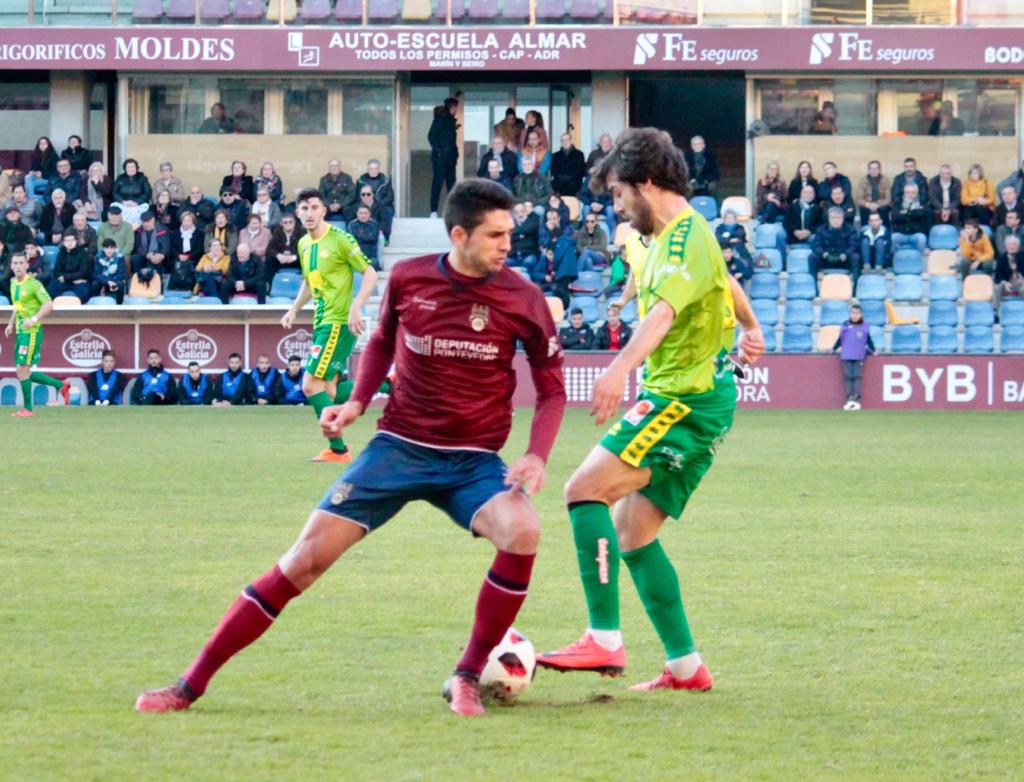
<point>65,392</point>
<point>463,694</point>
<point>177,697</point>
<point>22,413</point>
<point>586,655</point>
<point>330,455</point>
<point>700,681</point>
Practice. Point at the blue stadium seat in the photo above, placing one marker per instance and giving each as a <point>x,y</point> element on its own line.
<point>629,313</point>
<point>907,287</point>
<point>243,300</point>
<point>769,340</point>
<point>1012,340</point>
<point>979,339</point>
<point>382,10</point>
<point>516,9</point>
<point>906,339</point>
<point>208,301</point>
<point>1012,313</point>
<point>942,339</point>
<point>4,302</point>
<point>101,301</point>
<point>978,313</point>
<point>137,301</point>
<point>871,287</point>
<point>589,306</point>
<point>177,295</point>
<point>706,207</point>
<point>800,286</point>
<point>147,11</point>
<point>589,283</point>
<point>766,236</point>
<point>279,300</point>
<point>8,395</point>
<point>944,237</point>
<point>286,284</point>
<point>764,286</point>
<point>942,313</point>
<point>50,251</point>
<point>770,255</point>
<point>877,338</point>
<point>798,261</point>
<point>874,311</point>
<point>799,312</point>
<point>550,10</point>
<point>907,261</point>
<point>834,312</point>
<point>766,310</point>
<point>943,288</point>
<point>797,339</point>
<point>348,10</point>
<point>987,229</point>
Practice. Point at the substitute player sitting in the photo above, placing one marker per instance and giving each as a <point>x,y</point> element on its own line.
<point>450,323</point>
<point>31,304</point>
<point>330,257</point>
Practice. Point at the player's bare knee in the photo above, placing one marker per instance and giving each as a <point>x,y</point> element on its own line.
<point>311,385</point>
<point>581,487</point>
<point>523,537</point>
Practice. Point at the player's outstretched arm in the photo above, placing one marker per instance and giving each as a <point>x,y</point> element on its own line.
<point>303,297</point>
<point>355,313</point>
<point>752,340</point>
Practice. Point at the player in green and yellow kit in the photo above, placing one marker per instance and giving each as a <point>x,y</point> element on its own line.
<point>330,257</point>
<point>31,304</point>
<point>651,461</point>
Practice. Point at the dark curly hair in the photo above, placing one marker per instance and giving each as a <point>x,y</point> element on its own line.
<point>643,155</point>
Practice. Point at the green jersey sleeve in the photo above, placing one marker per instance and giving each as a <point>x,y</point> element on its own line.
<point>684,277</point>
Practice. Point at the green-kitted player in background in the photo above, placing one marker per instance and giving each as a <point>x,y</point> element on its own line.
<point>31,304</point>
<point>330,258</point>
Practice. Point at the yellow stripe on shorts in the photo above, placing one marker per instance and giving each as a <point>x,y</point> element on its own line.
<point>648,437</point>
<point>31,345</point>
<point>328,352</point>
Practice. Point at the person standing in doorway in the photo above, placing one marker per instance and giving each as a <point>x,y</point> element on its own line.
<point>444,150</point>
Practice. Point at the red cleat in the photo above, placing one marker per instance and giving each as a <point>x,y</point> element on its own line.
<point>700,681</point>
<point>586,655</point>
<point>23,413</point>
<point>65,392</point>
<point>463,694</point>
<point>173,698</point>
<point>330,455</point>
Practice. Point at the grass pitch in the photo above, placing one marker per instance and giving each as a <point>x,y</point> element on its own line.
<point>854,582</point>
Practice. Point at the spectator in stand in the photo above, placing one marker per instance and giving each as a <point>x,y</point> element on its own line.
<point>239,182</point>
<point>444,150</point>
<point>218,121</point>
<point>874,194</point>
<point>271,182</point>
<point>109,272</point>
<point>246,275</point>
<point>977,196</point>
<point>577,335</point>
<point>366,231</point>
<point>1016,179</point>
<point>534,123</point>
<point>944,194</point>
<point>265,382</point>
<point>78,156</point>
<point>67,180</point>
<point>703,167</point>
<point>166,212</point>
<point>599,204</point>
<point>1009,275</point>
<point>840,199</point>
<point>188,239</point>
<point>365,198</point>
<point>199,206</point>
<point>525,239</point>
<point>30,208</point>
<point>558,269</point>
<point>739,268</point>
<point>117,229</point>
<point>1009,201</point>
<point>555,202</point>
<point>195,387</point>
<point>97,192</point>
<point>1011,227</point>
<point>267,210</point>
<point>604,146</point>
<point>911,220</point>
<point>257,236</point>
<point>183,274</point>
<point>5,268</point>
<point>834,246</point>
<point>42,167</point>
<point>145,283</point>
<point>854,345</point>
<point>154,386</point>
<point>832,179</point>
<point>946,123</point>
<point>510,129</point>
<point>212,270</point>
<point>770,196</point>
<point>338,189</point>
<point>803,217</point>
<point>106,384</point>
<point>567,168</point>
<point>291,383</point>
<point>591,245</point>
<point>57,217</point>
<point>72,271</point>
<point>910,175</point>
<point>233,385</point>
<point>85,234</point>
<point>383,195</point>
<point>531,185</point>
<point>283,252</point>
<point>508,164</point>
<point>554,215</point>
<point>39,265</point>
<point>824,123</point>
<point>235,208</point>
<point>170,184</point>
<point>730,233</point>
<point>976,252</point>
<point>152,246</point>
<point>804,177</point>
<point>613,334</point>
<point>13,233</point>
<point>536,152</point>
<point>875,243</point>
<point>132,188</point>
<point>495,174</point>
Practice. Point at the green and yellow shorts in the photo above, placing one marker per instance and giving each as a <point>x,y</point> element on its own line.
<point>328,356</point>
<point>27,347</point>
<point>676,439</point>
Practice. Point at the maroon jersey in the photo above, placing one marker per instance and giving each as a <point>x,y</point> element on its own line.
<point>453,339</point>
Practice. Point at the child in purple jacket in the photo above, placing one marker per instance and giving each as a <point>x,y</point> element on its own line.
<point>854,345</point>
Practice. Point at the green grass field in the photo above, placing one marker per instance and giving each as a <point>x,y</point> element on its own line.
<point>854,582</point>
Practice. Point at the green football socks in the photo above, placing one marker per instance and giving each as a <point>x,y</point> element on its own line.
<point>26,393</point>
<point>320,401</point>
<point>597,550</point>
<point>344,391</point>
<point>46,380</point>
<point>658,585</point>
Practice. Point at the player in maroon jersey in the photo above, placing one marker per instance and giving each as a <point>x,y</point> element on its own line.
<point>450,323</point>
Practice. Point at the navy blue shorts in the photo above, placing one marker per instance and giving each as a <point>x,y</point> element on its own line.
<point>391,472</point>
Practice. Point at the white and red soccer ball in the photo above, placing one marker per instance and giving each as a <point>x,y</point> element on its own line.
<point>510,667</point>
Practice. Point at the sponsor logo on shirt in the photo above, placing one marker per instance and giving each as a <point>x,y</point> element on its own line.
<point>85,349</point>
<point>424,304</point>
<point>478,317</point>
<point>437,347</point>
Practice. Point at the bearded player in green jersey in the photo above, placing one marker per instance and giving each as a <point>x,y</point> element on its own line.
<point>650,462</point>
<point>31,304</point>
<point>330,257</point>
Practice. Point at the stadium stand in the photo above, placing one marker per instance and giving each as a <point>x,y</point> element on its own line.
<point>906,339</point>
<point>942,339</point>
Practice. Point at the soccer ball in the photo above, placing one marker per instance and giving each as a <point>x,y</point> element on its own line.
<point>510,667</point>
